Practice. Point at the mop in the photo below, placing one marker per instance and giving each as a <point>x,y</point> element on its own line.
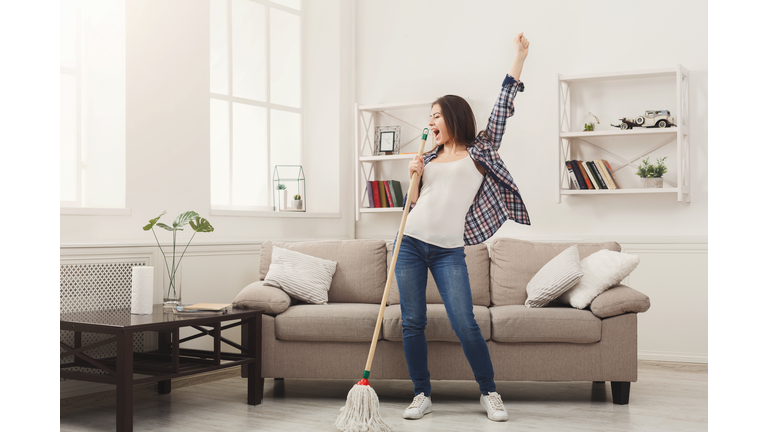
<point>361,412</point>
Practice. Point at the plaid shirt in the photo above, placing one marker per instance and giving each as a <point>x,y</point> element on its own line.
<point>498,198</point>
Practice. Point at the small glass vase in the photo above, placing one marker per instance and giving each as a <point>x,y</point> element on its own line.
<point>171,284</point>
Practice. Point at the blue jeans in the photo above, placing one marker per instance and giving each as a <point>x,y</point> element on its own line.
<point>450,272</point>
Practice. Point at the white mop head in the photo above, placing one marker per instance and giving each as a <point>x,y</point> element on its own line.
<point>361,413</point>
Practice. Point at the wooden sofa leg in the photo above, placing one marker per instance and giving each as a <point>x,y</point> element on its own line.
<point>620,392</point>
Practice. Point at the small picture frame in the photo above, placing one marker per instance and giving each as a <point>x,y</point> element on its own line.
<point>387,140</point>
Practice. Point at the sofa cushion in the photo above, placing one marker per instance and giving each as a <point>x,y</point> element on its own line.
<point>259,296</point>
<point>336,322</point>
<point>361,269</point>
<point>602,270</point>
<point>302,276</point>
<point>515,262</point>
<point>517,323</point>
<point>619,300</point>
<point>478,262</point>
<point>438,325</point>
<point>556,277</point>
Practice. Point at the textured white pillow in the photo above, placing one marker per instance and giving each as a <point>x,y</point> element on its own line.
<point>602,270</point>
<point>556,277</point>
<point>302,276</point>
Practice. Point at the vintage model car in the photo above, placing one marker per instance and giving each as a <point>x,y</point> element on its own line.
<point>660,119</point>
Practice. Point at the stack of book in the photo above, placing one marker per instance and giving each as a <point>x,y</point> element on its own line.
<point>384,193</point>
<point>596,174</point>
<point>202,309</point>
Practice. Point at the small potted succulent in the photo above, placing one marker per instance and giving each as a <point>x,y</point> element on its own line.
<point>283,195</point>
<point>652,174</point>
<point>297,203</point>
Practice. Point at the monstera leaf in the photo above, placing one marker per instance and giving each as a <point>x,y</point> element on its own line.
<point>152,222</point>
<point>201,225</point>
<point>167,228</point>
<point>184,219</point>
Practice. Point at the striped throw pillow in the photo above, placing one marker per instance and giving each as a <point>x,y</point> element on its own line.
<point>301,276</point>
<point>557,276</point>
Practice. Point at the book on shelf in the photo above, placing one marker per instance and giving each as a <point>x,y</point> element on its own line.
<point>584,177</point>
<point>398,193</point>
<point>577,173</point>
<point>382,195</point>
<point>613,176</point>
<point>369,188</point>
<point>571,175</point>
<point>376,199</point>
<point>388,191</point>
<point>591,174</point>
<point>597,175</point>
<point>604,172</point>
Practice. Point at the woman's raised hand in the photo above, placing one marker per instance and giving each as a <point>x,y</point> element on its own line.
<point>416,166</point>
<point>521,45</point>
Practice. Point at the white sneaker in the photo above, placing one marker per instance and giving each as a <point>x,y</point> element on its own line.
<point>494,407</point>
<point>421,405</point>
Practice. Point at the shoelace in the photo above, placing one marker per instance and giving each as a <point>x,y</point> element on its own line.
<point>417,401</point>
<point>495,400</point>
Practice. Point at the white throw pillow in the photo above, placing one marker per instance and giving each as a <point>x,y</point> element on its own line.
<point>302,276</point>
<point>556,277</point>
<point>602,270</point>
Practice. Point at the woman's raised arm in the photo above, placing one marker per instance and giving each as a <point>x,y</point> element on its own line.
<point>520,45</point>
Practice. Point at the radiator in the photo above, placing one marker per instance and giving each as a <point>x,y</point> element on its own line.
<point>96,286</point>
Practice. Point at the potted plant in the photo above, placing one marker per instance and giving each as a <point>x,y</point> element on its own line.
<point>297,204</point>
<point>651,174</point>
<point>171,275</point>
<point>283,196</point>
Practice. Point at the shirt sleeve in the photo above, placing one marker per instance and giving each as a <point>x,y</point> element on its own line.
<point>503,109</point>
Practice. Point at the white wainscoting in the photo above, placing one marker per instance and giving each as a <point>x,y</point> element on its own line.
<point>674,276</point>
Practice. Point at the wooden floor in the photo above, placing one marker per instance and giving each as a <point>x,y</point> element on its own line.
<point>666,397</point>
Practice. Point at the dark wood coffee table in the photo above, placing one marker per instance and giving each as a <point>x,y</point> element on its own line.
<point>169,360</point>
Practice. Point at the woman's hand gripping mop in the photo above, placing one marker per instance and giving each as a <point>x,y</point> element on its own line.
<point>361,413</point>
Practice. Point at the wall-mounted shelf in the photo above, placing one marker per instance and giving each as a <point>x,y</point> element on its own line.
<point>368,165</point>
<point>643,140</point>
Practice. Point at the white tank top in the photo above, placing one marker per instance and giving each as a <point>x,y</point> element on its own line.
<point>447,192</point>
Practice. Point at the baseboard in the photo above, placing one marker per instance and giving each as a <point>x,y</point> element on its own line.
<point>673,357</point>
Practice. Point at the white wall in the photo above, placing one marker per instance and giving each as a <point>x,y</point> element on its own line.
<point>410,51</point>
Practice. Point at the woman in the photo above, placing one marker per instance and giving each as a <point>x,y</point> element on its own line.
<point>465,194</point>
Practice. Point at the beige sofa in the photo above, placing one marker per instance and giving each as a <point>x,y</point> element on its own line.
<point>554,343</point>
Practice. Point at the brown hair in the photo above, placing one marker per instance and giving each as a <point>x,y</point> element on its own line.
<point>459,119</point>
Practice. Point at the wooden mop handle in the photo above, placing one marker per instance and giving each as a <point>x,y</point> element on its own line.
<point>395,251</point>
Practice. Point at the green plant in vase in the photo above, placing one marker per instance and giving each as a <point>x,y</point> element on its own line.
<point>172,295</point>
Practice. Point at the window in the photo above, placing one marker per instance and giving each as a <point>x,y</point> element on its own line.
<point>92,98</point>
<point>256,107</point>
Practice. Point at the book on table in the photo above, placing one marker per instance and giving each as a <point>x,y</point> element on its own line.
<point>198,309</point>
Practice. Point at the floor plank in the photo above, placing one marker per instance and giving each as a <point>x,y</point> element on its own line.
<point>666,397</point>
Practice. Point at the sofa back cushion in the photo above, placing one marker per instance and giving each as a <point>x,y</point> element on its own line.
<point>361,269</point>
<point>479,279</point>
<point>515,262</point>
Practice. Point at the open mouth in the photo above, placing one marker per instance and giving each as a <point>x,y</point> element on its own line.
<point>436,132</point>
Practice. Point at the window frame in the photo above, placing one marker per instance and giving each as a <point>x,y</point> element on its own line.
<point>230,99</point>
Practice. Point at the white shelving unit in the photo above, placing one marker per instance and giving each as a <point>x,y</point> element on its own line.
<point>367,165</point>
<point>645,140</point>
